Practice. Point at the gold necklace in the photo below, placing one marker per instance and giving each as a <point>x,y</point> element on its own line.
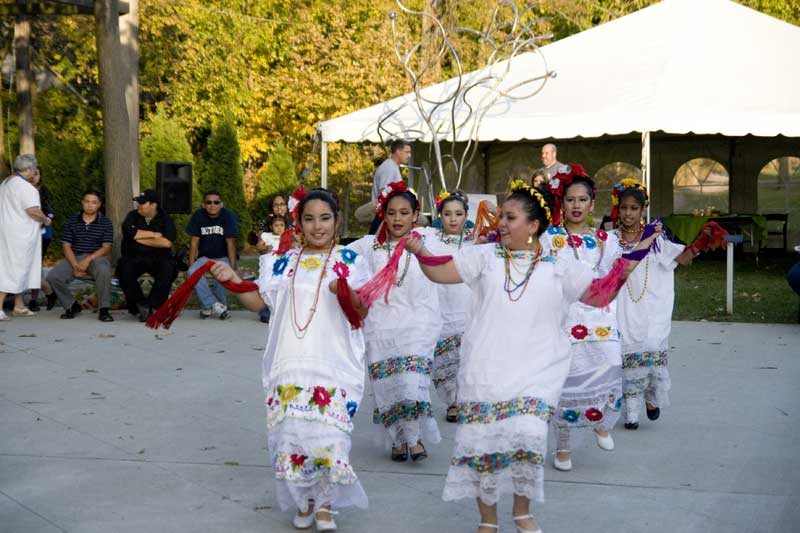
<point>644,286</point>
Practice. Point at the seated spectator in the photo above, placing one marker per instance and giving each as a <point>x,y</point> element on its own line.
<point>214,230</point>
<point>147,236</point>
<point>86,238</point>
<point>270,241</point>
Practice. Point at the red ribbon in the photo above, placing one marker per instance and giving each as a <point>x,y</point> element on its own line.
<point>169,311</point>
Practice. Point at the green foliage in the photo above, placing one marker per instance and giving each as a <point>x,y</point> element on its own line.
<point>221,170</point>
<point>278,176</point>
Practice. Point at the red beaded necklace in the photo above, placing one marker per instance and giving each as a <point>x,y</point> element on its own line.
<point>300,331</point>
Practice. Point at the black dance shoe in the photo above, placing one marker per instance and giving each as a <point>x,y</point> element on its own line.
<point>653,414</point>
<point>631,425</point>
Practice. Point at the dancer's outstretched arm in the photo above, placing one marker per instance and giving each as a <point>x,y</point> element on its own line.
<point>442,273</point>
<point>251,300</point>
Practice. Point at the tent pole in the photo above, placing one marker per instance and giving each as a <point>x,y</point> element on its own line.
<point>646,168</point>
<point>323,164</point>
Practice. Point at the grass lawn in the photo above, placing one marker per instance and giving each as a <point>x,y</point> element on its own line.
<point>760,292</point>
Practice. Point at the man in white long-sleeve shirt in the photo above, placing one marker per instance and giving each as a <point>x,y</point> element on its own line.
<point>389,172</point>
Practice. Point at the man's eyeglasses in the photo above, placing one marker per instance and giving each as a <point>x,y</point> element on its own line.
<point>213,202</point>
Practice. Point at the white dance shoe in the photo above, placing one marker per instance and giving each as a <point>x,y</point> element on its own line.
<point>303,522</point>
<point>564,466</point>
<point>325,525</point>
<point>606,443</point>
<point>524,517</point>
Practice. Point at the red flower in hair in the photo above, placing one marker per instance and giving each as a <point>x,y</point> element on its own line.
<point>602,235</point>
<point>387,192</point>
<point>295,199</point>
<point>579,332</point>
<point>593,414</point>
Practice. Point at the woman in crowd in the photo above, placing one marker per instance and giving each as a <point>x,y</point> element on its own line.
<point>46,205</point>
<point>449,237</point>
<point>644,310</point>
<point>401,333</point>
<point>592,394</point>
<point>313,368</point>
<point>513,358</point>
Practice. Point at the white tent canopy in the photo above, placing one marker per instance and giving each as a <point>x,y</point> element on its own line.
<point>680,66</point>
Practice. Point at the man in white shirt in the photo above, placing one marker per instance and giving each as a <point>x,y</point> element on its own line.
<point>389,172</point>
<point>21,220</point>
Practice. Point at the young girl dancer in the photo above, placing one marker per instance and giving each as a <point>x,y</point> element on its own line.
<point>513,358</point>
<point>644,311</point>
<point>592,394</point>
<point>401,334</point>
<point>313,369</point>
<point>454,300</point>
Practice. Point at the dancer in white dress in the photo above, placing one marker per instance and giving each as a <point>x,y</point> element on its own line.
<point>644,310</point>
<point>513,358</point>
<point>401,335</point>
<point>451,236</point>
<point>313,368</point>
<point>592,395</point>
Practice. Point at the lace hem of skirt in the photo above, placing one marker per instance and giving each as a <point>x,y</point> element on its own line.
<point>519,478</point>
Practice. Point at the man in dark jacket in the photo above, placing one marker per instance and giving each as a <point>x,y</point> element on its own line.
<point>147,236</point>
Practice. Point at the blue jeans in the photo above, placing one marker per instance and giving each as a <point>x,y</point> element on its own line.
<point>209,295</point>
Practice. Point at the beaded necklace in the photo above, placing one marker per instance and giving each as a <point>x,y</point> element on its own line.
<point>402,276</point>
<point>448,239</point>
<point>600,244</point>
<point>511,286</point>
<point>628,246</point>
<point>300,331</point>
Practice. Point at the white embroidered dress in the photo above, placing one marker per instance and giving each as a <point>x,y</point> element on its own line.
<point>20,237</point>
<point>513,365</point>
<point>401,337</point>
<point>313,379</point>
<point>592,394</point>
<point>454,302</point>
<point>644,312</point>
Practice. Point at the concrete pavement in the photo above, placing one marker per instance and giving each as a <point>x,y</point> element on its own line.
<point>115,428</point>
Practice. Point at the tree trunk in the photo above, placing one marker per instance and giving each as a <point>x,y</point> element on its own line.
<point>783,171</point>
<point>22,51</point>
<point>3,171</point>
<point>116,128</point>
<point>129,38</point>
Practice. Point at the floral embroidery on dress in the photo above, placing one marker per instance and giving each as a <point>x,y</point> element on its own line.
<point>583,333</point>
<point>601,234</point>
<point>341,270</point>
<point>396,365</point>
<point>311,263</point>
<point>593,414</point>
<point>407,410</point>
<point>492,462</point>
<point>314,404</point>
<point>588,416</point>
<point>579,331</point>
<point>589,242</point>
<point>348,255</point>
<point>280,265</point>
<point>321,464</point>
<point>447,344</point>
<point>556,230</point>
<point>352,407</point>
<point>575,241</point>
<point>465,236</point>
<point>559,242</point>
<point>644,359</point>
<point>489,412</point>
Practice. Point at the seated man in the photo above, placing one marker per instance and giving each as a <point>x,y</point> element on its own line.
<point>214,230</point>
<point>87,238</point>
<point>147,236</point>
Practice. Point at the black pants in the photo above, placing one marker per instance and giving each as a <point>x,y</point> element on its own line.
<point>163,270</point>
<point>376,223</point>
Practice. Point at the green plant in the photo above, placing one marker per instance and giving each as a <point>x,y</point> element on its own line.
<point>278,176</point>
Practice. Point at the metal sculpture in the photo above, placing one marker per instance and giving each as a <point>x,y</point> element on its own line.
<point>455,114</point>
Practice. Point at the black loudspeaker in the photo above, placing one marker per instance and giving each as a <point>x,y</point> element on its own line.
<point>174,186</point>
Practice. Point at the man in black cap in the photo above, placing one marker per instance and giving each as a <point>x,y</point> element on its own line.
<point>147,236</point>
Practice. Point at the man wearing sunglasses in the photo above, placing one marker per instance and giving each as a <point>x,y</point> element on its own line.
<point>214,230</point>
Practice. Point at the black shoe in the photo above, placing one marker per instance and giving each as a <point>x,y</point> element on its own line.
<point>74,309</point>
<point>33,305</point>
<point>631,425</point>
<point>452,414</point>
<point>399,455</point>
<point>104,315</point>
<point>52,299</point>
<point>264,319</point>
<point>653,414</point>
<point>420,455</point>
